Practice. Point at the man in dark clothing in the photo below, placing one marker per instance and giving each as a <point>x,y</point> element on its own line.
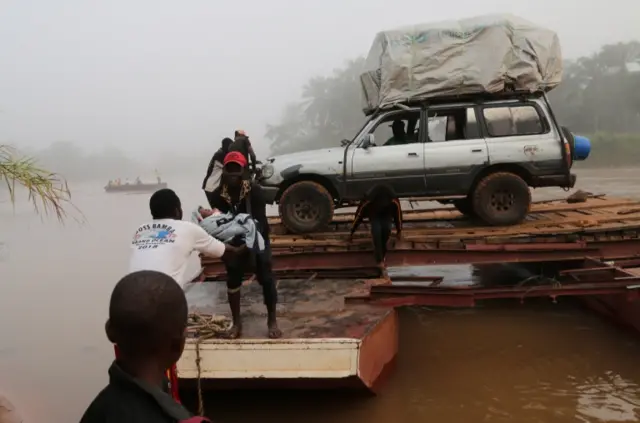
<point>380,207</point>
<point>242,144</point>
<point>214,170</point>
<point>147,321</point>
<point>237,194</point>
<point>399,135</point>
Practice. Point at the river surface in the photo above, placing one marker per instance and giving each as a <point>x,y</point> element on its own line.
<point>534,363</point>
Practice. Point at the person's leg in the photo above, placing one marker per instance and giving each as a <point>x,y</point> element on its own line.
<point>266,279</point>
<point>385,233</point>
<point>376,235</point>
<point>235,274</point>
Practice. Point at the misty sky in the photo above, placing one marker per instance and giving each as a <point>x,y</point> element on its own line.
<point>150,75</point>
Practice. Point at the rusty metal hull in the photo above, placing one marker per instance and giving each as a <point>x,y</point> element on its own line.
<point>554,231</point>
<point>619,308</point>
<point>326,343</point>
<point>586,278</point>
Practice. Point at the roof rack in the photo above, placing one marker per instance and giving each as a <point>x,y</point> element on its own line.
<point>466,98</point>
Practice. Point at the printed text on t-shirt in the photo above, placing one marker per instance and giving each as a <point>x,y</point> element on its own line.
<point>153,235</point>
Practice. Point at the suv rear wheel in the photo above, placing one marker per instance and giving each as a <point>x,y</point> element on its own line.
<point>501,199</point>
<point>306,207</point>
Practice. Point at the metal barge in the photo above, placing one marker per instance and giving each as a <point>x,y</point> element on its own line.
<point>326,342</point>
<point>341,331</point>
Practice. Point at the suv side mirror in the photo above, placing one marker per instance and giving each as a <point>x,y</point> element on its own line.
<point>367,141</point>
<point>344,143</point>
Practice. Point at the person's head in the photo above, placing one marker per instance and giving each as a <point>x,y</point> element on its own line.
<point>165,204</point>
<point>148,318</point>
<point>380,195</point>
<point>207,212</point>
<point>226,143</point>
<point>234,164</point>
<point>397,127</point>
<point>239,133</point>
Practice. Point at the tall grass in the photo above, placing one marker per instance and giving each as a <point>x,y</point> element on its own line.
<point>48,191</point>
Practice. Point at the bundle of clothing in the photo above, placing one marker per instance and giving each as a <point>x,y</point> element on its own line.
<point>230,228</point>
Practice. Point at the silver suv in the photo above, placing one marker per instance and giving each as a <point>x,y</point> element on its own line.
<point>482,155</point>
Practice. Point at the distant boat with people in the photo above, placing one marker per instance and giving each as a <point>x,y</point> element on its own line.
<point>138,186</point>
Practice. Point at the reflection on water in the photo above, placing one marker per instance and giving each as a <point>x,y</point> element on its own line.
<point>533,363</point>
<point>607,398</point>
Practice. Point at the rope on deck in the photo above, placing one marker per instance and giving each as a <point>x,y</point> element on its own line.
<point>202,327</point>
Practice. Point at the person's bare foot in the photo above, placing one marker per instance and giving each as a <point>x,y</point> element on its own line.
<point>234,332</point>
<point>384,274</point>
<point>274,330</point>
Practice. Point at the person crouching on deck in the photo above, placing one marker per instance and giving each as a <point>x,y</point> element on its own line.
<point>148,321</point>
<point>237,194</point>
<point>380,207</point>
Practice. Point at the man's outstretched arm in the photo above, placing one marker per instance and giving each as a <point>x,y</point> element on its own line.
<point>359,215</point>
<point>211,247</point>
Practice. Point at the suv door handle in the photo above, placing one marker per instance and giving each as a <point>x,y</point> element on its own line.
<point>477,150</point>
<point>413,154</point>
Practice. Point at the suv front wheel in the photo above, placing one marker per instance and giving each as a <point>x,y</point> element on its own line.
<point>501,199</point>
<point>306,207</point>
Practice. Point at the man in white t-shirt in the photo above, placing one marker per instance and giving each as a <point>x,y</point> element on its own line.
<point>165,244</point>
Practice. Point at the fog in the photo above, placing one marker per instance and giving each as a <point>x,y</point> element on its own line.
<point>98,90</point>
<point>158,77</point>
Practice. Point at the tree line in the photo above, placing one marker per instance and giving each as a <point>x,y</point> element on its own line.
<point>598,97</point>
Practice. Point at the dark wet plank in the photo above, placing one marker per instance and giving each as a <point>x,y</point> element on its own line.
<point>307,308</point>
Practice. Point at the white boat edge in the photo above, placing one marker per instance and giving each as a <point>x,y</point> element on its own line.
<point>321,358</point>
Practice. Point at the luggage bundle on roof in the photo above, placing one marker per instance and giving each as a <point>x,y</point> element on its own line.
<point>482,55</point>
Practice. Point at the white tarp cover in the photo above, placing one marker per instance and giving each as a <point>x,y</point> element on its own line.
<point>486,54</point>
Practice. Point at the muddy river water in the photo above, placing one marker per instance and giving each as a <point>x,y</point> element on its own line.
<point>534,363</point>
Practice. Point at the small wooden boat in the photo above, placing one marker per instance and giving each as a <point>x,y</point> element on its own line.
<point>142,187</point>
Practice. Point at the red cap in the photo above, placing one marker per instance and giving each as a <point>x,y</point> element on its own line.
<point>235,157</point>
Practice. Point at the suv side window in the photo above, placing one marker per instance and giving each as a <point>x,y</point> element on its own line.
<point>453,125</point>
<point>505,121</point>
<point>407,127</point>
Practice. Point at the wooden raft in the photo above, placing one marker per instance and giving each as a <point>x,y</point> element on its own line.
<point>597,219</point>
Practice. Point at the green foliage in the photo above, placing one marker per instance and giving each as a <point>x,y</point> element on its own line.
<point>598,95</point>
<point>48,192</point>
<point>330,110</point>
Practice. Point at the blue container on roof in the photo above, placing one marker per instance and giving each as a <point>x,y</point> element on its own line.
<point>582,148</point>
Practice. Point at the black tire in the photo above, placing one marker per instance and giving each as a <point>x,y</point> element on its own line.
<point>306,207</point>
<point>464,206</point>
<point>501,199</point>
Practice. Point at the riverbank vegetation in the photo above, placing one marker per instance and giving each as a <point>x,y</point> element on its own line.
<point>597,98</point>
<point>47,191</point>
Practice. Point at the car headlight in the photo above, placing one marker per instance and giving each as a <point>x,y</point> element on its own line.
<point>267,171</point>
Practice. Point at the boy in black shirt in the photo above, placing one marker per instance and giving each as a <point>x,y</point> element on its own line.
<point>147,321</point>
<point>380,207</point>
